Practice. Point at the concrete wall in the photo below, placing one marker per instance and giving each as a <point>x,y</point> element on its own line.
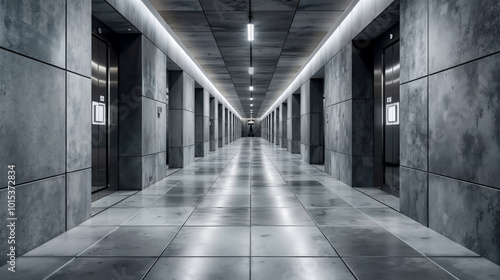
<point>312,136</point>
<point>283,125</point>
<point>222,125</point>
<point>349,118</point>
<point>202,119</point>
<point>293,124</point>
<point>181,150</point>
<point>277,128</point>
<point>142,138</point>
<point>214,124</point>
<point>450,122</point>
<point>45,130</point>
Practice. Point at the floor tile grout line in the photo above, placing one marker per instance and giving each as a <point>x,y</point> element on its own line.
<point>180,228</point>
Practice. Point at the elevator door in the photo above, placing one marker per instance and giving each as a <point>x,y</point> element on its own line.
<point>391,117</point>
<point>99,114</point>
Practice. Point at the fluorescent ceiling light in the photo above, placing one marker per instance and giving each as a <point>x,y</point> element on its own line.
<point>250,32</point>
<point>251,105</point>
<point>251,70</point>
<point>251,88</point>
<point>251,98</point>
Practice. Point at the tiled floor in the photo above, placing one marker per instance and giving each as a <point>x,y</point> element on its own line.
<point>250,211</point>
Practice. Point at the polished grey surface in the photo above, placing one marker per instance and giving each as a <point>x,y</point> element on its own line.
<point>300,268</point>
<point>359,241</point>
<point>469,268</point>
<point>396,268</point>
<point>275,241</point>
<point>155,234</point>
<point>123,242</point>
<point>200,268</point>
<point>104,268</point>
<point>281,217</point>
<point>73,242</point>
<point>220,217</point>
<point>210,241</point>
<point>34,267</point>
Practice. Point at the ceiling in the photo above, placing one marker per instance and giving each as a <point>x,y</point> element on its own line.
<point>286,33</point>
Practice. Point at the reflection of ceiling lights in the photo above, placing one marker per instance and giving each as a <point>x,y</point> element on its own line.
<point>251,70</point>
<point>250,32</point>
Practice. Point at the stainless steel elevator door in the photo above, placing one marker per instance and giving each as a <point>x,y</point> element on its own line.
<point>99,114</point>
<point>391,116</point>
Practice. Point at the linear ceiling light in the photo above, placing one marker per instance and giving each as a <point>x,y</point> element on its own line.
<point>251,88</point>
<point>250,32</point>
<point>251,70</point>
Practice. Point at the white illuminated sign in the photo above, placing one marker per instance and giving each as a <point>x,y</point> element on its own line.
<point>392,114</point>
<point>98,113</point>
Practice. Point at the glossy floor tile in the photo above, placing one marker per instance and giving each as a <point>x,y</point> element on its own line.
<point>290,241</point>
<point>160,216</point>
<point>220,217</point>
<point>210,241</point>
<point>359,241</point>
<point>211,201</point>
<point>200,268</point>
<point>330,200</point>
<point>104,268</point>
<point>281,217</point>
<point>34,267</point>
<point>300,268</point>
<point>345,216</point>
<point>133,241</point>
<point>73,242</point>
<point>396,268</point>
<point>250,210</point>
<point>469,268</point>
<point>275,201</point>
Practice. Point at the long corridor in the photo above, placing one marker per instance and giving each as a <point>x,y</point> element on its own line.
<point>249,211</point>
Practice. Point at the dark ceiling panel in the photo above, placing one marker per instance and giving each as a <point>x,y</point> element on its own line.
<point>274,5</point>
<point>176,5</point>
<point>224,5</point>
<point>324,5</point>
<point>286,33</point>
<point>186,20</point>
<point>315,20</point>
